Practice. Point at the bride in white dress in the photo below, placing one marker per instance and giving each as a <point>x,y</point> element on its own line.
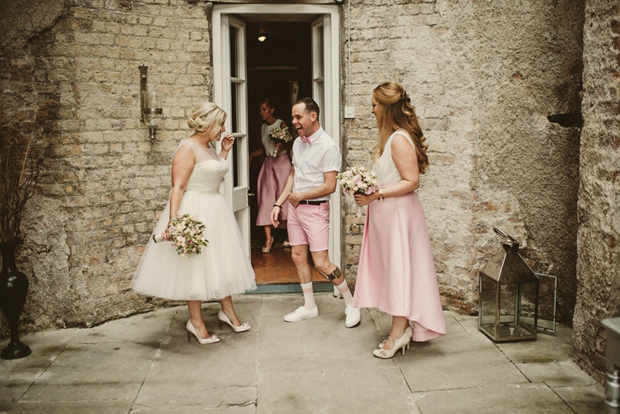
<point>221,269</point>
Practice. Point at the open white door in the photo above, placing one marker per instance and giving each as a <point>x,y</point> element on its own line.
<point>324,77</point>
<point>230,93</point>
<point>229,67</point>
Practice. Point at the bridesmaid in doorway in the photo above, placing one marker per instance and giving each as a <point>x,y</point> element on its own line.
<point>273,174</point>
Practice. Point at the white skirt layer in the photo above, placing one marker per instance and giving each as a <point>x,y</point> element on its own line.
<point>220,270</point>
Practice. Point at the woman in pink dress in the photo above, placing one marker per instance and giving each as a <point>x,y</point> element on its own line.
<point>273,174</point>
<point>396,269</point>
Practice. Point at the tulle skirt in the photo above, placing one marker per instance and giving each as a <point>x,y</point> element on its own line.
<point>220,270</point>
<point>271,181</point>
<point>396,270</point>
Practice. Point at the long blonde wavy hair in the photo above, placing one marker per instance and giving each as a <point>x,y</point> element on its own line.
<point>394,112</point>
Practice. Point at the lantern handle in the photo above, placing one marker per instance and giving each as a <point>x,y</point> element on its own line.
<point>510,240</point>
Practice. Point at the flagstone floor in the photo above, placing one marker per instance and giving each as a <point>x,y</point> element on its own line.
<point>144,364</point>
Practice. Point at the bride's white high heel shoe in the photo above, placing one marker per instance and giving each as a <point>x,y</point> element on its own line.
<point>202,341</point>
<point>241,328</point>
<point>399,343</point>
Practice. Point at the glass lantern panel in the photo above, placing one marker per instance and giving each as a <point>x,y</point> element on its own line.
<point>515,301</point>
<point>527,314</point>
<point>508,301</point>
<point>488,304</point>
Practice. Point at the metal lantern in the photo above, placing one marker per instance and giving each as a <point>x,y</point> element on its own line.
<point>508,295</point>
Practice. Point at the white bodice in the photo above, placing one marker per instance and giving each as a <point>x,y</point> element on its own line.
<point>209,169</point>
<point>384,166</point>
<point>268,143</point>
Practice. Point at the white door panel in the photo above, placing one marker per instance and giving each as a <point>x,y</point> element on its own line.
<point>231,94</point>
<point>230,89</point>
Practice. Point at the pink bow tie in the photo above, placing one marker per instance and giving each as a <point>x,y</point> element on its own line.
<point>305,139</point>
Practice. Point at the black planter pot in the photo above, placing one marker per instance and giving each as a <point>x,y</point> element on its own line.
<point>13,291</point>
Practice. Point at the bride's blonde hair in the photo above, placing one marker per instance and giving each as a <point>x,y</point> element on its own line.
<point>394,112</point>
<point>207,116</point>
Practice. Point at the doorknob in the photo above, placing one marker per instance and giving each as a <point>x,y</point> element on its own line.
<point>251,195</point>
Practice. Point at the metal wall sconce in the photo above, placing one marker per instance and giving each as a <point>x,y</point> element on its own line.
<point>150,105</point>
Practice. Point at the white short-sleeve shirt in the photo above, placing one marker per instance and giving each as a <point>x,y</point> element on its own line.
<point>313,159</point>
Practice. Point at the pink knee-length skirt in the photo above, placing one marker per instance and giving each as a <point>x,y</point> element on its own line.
<point>271,181</point>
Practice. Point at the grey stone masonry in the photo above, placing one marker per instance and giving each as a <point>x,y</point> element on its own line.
<point>105,184</point>
<point>486,79</point>
<point>598,267</point>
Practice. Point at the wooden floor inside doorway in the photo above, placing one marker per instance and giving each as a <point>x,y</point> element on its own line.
<point>276,267</point>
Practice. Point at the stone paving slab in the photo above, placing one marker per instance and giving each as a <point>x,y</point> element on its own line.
<point>86,407</point>
<point>545,349</point>
<point>460,360</point>
<point>193,410</point>
<point>583,400</point>
<point>103,371</point>
<point>556,374</point>
<point>513,399</point>
<point>145,364</point>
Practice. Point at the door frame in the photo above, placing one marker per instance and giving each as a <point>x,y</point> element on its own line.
<point>332,83</point>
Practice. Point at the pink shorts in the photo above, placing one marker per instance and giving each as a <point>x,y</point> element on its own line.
<point>309,224</point>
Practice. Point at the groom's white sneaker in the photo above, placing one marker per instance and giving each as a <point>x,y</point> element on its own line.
<point>353,318</point>
<point>301,313</point>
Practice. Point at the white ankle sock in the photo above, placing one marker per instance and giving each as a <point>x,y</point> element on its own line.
<point>346,293</point>
<point>306,288</point>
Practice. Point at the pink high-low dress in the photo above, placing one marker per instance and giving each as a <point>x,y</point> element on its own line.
<point>396,270</point>
<point>272,178</point>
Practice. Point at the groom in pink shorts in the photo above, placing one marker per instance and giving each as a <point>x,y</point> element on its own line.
<point>316,163</point>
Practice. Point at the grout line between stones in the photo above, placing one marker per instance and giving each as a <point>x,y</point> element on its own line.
<point>156,355</point>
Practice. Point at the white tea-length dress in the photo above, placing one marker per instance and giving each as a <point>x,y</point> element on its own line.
<point>222,268</point>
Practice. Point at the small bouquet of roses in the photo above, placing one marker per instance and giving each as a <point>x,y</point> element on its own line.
<point>187,235</point>
<point>281,135</point>
<point>358,180</point>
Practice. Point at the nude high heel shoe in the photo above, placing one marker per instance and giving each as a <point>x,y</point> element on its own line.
<point>402,343</point>
<point>267,249</point>
<point>202,341</point>
<point>241,328</point>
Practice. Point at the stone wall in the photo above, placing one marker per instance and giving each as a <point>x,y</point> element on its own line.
<point>485,77</point>
<point>598,266</point>
<point>106,183</point>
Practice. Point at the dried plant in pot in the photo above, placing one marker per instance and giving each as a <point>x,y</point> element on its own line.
<point>23,151</point>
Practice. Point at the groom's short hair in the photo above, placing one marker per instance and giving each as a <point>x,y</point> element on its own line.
<point>311,105</point>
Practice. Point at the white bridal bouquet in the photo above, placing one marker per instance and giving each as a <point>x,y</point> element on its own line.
<point>187,235</point>
<point>358,180</point>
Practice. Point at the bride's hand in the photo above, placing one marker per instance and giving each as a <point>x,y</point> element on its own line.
<point>166,235</point>
<point>227,142</point>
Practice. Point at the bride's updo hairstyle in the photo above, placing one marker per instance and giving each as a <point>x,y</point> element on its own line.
<point>394,111</point>
<point>207,117</point>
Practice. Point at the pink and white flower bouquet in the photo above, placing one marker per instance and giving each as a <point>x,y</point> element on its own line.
<point>187,235</point>
<point>358,180</point>
<point>281,134</point>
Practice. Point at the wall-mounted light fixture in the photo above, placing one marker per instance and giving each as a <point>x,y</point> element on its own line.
<point>150,105</point>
